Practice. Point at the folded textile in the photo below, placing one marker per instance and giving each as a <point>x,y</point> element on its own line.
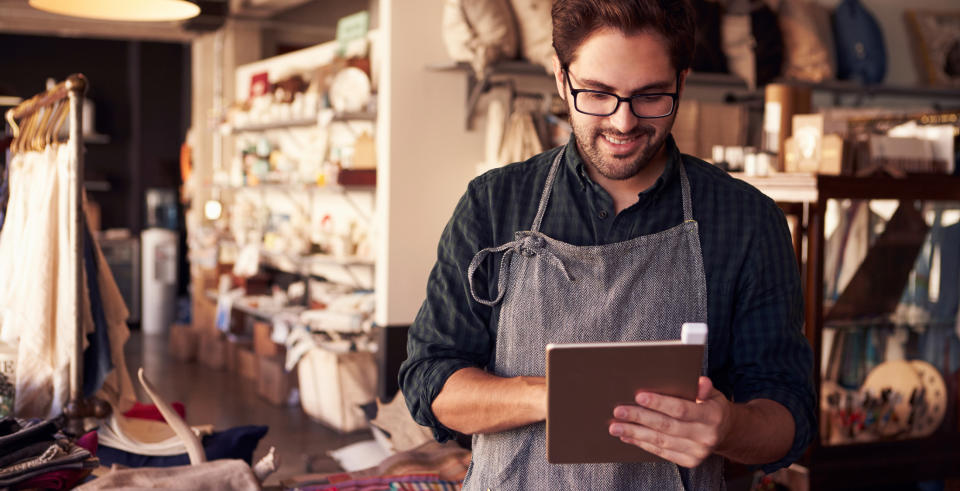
<point>26,476</point>
<point>89,442</point>
<point>234,443</point>
<point>447,461</point>
<point>384,483</point>
<point>19,434</point>
<point>150,411</point>
<point>228,475</point>
<point>58,453</point>
<point>62,479</point>
<point>31,450</point>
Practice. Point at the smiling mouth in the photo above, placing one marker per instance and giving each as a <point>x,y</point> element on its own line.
<point>621,140</point>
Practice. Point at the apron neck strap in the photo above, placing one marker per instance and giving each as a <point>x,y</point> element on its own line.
<point>685,191</point>
<point>551,176</point>
<point>547,188</point>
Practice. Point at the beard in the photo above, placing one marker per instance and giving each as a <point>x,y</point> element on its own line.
<point>614,166</point>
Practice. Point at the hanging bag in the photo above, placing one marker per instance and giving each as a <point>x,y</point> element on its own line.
<point>861,53</point>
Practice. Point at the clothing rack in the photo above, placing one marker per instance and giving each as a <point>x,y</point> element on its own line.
<point>36,124</point>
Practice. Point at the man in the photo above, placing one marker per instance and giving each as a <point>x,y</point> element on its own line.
<point>614,237</point>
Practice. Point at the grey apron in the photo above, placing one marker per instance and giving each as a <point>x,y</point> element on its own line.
<point>553,292</point>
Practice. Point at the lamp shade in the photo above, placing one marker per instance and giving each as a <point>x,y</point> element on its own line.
<point>121,10</point>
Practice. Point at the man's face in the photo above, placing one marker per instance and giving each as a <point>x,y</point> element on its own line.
<point>621,145</point>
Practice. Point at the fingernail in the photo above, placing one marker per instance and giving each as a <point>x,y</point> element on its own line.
<point>642,399</point>
<point>616,430</point>
<point>620,413</point>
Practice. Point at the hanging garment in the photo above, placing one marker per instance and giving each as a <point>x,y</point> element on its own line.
<point>640,289</point>
<point>4,194</point>
<point>96,358</point>
<point>520,139</point>
<point>38,306</point>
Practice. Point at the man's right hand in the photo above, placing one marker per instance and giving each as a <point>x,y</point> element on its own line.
<point>474,401</point>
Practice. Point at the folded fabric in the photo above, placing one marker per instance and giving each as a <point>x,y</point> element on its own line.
<point>235,443</point>
<point>32,450</point>
<point>228,475</point>
<point>19,434</point>
<point>26,476</point>
<point>150,411</point>
<point>62,479</point>
<point>54,459</point>
<point>88,442</point>
<point>383,483</point>
<point>447,461</point>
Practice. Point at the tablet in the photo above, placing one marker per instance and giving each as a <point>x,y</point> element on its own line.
<point>586,381</point>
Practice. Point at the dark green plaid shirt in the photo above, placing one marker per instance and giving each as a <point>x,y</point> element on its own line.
<point>755,306</point>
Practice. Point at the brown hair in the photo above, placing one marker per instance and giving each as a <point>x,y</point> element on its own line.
<point>575,20</point>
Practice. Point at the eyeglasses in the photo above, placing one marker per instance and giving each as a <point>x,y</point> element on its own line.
<point>645,106</point>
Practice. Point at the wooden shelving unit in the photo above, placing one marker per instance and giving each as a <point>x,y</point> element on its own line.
<point>884,462</point>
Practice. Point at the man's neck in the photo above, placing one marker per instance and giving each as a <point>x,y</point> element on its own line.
<point>625,192</point>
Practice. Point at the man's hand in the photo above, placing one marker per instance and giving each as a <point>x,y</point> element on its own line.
<point>678,430</point>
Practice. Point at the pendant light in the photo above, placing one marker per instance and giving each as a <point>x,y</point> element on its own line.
<point>121,10</point>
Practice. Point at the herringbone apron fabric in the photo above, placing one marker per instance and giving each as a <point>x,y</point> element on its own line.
<point>553,292</point>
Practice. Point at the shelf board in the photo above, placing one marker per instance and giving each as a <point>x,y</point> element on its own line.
<point>784,188</point>
<point>295,264</point>
<point>301,122</point>
<point>808,188</point>
<point>296,187</point>
<point>732,81</point>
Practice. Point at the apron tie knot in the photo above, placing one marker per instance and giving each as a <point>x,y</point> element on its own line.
<point>532,243</point>
<point>528,244</point>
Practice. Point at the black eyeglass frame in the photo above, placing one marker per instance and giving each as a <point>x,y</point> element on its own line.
<point>574,92</point>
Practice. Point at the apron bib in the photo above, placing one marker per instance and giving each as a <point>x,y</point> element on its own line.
<point>553,292</point>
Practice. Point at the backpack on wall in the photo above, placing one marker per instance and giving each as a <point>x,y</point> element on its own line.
<point>861,53</point>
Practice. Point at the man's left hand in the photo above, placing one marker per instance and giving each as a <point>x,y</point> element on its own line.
<point>681,431</point>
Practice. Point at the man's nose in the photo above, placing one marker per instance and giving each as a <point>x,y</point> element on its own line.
<point>623,119</point>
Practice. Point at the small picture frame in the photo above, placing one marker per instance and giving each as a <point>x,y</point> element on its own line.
<point>259,84</point>
<point>936,39</point>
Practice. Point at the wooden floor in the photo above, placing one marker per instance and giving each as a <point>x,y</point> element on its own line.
<point>225,400</point>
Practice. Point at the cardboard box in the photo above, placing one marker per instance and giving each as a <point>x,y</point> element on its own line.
<point>720,124</point>
<point>334,385</point>
<point>701,125</point>
<point>212,349</point>
<point>182,343</point>
<point>204,314</point>
<point>247,364</point>
<point>835,158</point>
<point>236,344</point>
<point>262,344</point>
<point>273,383</point>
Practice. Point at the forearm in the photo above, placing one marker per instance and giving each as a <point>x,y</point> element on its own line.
<point>474,401</point>
<point>761,431</point>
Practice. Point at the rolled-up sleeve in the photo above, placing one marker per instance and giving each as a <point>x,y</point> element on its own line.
<point>772,358</point>
<point>451,331</point>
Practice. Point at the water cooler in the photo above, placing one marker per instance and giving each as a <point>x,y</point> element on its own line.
<point>159,253</point>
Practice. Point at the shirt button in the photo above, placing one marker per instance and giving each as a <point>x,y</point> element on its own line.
<point>603,214</point>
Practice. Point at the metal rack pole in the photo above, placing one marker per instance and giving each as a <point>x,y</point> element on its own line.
<point>76,88</point>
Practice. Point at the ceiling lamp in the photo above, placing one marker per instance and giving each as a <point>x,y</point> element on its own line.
<point>121,10</point>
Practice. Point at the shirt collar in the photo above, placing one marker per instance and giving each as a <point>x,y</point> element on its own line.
<point>574,163</point>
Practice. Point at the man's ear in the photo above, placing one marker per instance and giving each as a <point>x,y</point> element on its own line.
<point>558,77</point>
<point>682,82</point>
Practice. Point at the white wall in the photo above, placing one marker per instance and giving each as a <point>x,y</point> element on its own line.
<point>425,155</point>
